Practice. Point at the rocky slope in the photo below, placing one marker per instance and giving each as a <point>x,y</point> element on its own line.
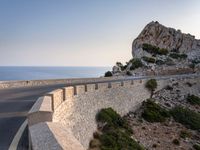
<point>167,38</point>
<point>159,50</point>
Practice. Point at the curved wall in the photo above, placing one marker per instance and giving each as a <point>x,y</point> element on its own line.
<point>70,112</point>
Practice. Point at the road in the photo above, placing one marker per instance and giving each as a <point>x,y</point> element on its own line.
<point>15,104</point>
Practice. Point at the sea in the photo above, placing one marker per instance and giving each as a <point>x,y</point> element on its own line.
<point>38,73</point>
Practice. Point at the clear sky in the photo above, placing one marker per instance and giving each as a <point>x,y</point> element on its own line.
<point>84,32</point>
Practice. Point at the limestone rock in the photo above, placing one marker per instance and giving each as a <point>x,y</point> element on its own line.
<point>164,37</point>
<point>116,69</point>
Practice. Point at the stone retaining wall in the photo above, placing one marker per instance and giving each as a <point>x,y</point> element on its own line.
<point>70,122</point>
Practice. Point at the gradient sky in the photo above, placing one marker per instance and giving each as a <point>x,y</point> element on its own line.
<point>84,32</point>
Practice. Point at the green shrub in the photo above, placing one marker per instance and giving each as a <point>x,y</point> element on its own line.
<point>154,49</point>
<point>186,117</point>
<point>194,100</point>
<point>112,118</point>
<point>116,133</point>
<point>153,112</point>
<point>149,59</point>
<point>151,85</point>
<point>178,56</point>
<point>176,142</point>
<point>196,146</point>
<point>136,63</point>
<point>185,134</point>
<point>121,66</point>
<point>108,74</point>
<point>118,140</point>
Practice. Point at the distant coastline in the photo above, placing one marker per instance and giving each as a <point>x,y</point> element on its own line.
<point>12,73</point>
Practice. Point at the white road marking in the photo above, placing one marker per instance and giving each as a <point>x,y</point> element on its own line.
<point>15,141</point>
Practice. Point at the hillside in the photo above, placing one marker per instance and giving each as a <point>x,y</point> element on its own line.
<point>160,50</point>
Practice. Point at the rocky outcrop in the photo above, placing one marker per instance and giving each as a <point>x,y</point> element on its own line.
<point>167,38</point>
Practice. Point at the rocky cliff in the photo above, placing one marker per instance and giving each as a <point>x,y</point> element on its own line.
<point>168,38</point>
<point>159,50</point>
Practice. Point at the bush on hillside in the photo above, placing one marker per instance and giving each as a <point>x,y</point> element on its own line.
<point>154,49</point>
<point>196,146</point>
<point>152,112</point>
<point>149,59</point>
<point>186,117</point>
<point>108,74</point>
<point>194,100</point>
<point>151,85</point>
<point>136,63</point>
<point>178,56</point>
<point>116,133</point>
<point>111,117</point>
<point>185,134</point>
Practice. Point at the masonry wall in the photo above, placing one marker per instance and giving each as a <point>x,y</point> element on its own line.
<point>73,110</point>
<point>78,112</point>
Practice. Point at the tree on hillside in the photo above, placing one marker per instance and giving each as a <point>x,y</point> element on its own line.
<point>151,85</point>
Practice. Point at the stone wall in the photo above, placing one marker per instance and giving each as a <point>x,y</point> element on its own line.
<point>73,111</point>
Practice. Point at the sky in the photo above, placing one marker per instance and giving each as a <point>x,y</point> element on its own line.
<point>84,32</point>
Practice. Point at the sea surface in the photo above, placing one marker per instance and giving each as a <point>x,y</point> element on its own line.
<point>36,73</point>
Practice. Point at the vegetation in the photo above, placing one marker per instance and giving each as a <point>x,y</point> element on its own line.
<point>151,85</point>
<point>136,63</point>
<point>154,49</point>
<point>149,59</point>
<point>153,112</point>
<point>193,100</point>
<point>116,133</point>
<point>121,66</point>
<point>196,146</point>
<point>176,142</point>
<point>178,56</point>
<point>108,74</point>
<point>186,117</point>
<point>185,134</point>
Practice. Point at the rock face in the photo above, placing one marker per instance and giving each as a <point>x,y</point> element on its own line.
<point>168,38</point>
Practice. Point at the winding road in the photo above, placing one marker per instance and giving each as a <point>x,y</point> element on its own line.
<point>16,102</point>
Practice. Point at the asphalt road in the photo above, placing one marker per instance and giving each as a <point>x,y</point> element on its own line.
<point>15,104</point>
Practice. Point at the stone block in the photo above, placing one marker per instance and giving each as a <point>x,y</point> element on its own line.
<point>68,92</point>
<point>41,111</point>
<point>90,87</point>
<point>80,89</point>
<point>57,97</point>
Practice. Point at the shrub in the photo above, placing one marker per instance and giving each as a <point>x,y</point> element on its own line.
<point>121,66</point>
<point>129,73</point>
<point>153,112</point>
<point>108,74</point>
<point>196,146</point>
<point>117,140</point>
<point>178,56</point>
<point>151,85</point>
<point>149,59</point>
<point>194,100</point>
<point>94,143</point>
<point>136,63</point>
<point>185,134</point>
<point>112,118</point>
<point>186,117</point>
<point>176,142</point>
<point>116,133</point>
<point>154,49</point>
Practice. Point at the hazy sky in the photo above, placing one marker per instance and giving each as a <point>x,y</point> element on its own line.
<point>84,32</point>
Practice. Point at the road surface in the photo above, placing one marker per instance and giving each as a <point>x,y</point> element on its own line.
<point>15,104</point>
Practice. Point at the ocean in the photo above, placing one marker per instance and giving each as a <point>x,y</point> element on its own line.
<point>37,73</point>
